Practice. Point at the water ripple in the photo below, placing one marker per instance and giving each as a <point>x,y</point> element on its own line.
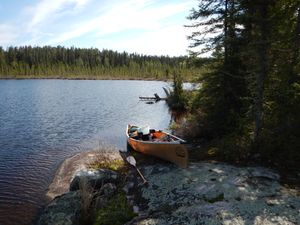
<point>42,122</point>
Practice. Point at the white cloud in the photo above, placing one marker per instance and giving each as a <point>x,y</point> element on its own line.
<point>144,16</point>
<point>81,3</point>
<point>143,26</point>
<point>47,9</point>
<point>8,34</point>
<point>163,41</point>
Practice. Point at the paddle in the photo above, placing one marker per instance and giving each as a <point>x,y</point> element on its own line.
<point>131,161</point>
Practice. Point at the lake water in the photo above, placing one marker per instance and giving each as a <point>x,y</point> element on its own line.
<point>42,122</point>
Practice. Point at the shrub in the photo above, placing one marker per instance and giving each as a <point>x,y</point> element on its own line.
<point>176,99</point>
<point>116,212</point>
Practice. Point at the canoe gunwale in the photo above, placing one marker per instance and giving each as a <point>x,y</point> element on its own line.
<point>173,151</point>
<point>177,141</point>
<point>157,142</point>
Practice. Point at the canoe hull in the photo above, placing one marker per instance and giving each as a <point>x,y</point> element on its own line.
<point>175,152</point>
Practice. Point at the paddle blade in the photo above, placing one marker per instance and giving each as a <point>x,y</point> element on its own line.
<point>131,160</point>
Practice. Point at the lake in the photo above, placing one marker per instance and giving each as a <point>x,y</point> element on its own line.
<point>43,122</point>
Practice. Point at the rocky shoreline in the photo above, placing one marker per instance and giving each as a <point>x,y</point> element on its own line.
<point>204,193</point>
<point>73,165</point>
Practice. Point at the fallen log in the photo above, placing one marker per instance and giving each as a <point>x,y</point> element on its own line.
<point>155,98</point>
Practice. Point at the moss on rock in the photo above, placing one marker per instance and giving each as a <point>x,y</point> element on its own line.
<point>116,165</point>
<point>116,212</point>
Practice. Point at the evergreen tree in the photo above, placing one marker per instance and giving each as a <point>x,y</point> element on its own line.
<point>220,97</point>
<point>85,63</point>
<point>254,85</point>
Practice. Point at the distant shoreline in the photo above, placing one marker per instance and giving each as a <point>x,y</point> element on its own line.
<point>81,78</point>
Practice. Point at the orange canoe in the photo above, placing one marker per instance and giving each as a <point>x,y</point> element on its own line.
<point>158,143</point>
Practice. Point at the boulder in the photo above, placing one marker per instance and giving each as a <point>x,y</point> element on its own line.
<point>63,210</point>
<point>81,161</point>
<point>67,208</point>
<point>94,178</point>
<point>104,194</point>
<point>108,190</point>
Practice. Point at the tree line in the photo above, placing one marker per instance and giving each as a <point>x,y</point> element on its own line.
<point>249,102</point>
<point>89,63</point>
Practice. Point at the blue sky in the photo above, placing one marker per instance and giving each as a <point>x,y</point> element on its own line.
<point>153,27</point>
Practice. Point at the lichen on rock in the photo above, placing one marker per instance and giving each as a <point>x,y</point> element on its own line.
<point>93,192</point>
<point>63,210</point>
<point>204,193</point>
<point>217,193</point>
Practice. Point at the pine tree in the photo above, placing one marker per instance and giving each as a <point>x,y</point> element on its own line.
<point>220,97</point>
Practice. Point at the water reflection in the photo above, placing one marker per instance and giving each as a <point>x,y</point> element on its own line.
<point>42,122</point>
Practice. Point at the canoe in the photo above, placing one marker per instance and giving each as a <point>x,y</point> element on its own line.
<point>158,143</point>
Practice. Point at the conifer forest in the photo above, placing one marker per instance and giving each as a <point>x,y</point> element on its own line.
<point>249,102</point>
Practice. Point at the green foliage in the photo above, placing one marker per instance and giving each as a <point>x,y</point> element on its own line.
<point>116,212</point>
<point>234,147</point>
<point>176,98</point>
<point>81,63</point>
<point>219,102</point>
<point>116,165</point>
<point>249,101</point>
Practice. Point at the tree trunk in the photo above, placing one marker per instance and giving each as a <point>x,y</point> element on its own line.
<point>263,68</point>
<point>226,33</point>
<point>296,40</point>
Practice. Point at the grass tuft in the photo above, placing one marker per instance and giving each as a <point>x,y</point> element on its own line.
<point>116,165</point>
<point>116,212</point>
